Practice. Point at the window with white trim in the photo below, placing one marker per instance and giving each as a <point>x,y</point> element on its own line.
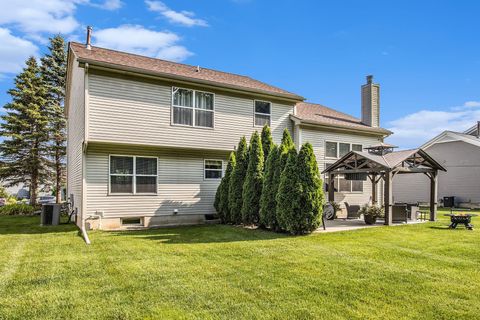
<point>192,108</point>
<point>337,150</point>
<point>263,112</point>
<point>133,175</point>
<point>213,169</point>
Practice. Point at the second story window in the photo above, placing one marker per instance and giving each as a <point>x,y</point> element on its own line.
<point>263,110</point>
<point>193,108</point>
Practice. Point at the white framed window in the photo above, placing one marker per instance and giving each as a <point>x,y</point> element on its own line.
<point>132,174</point>
<point>193,108</point>
<point>213,169</point>
<point>337,150</point>
<point>263,112</point>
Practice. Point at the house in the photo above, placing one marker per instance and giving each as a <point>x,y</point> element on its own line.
<point>148,139</point>
<point>459,152</point>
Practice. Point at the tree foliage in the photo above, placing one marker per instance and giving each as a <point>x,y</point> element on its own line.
<point>288,195</point>
<point>221,197</point>
<point>252,187</point>
<point>53,70</point>
<point>267,143</point>
<point>25,129</point>
<point>308,218</point>
<point>268,202</point>
<point>237,179</point>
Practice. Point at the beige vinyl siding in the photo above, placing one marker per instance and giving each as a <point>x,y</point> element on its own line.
<point>132,110</point>
<point>318,137</point>
<point>75,135</point>
<point>181,183</point>
<point>462,179</point>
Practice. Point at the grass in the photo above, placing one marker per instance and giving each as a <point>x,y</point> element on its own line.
<point>417,271</point>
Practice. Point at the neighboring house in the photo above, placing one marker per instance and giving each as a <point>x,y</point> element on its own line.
<point>148,139</point>
<point>459,153</point>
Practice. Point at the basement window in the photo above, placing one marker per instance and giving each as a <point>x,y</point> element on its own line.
<point>131,221</point>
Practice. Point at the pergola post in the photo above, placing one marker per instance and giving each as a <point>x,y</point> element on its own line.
<point>387,197</point>
<point>331,188</point>
<point>374,188</point>
<point>433,195</point>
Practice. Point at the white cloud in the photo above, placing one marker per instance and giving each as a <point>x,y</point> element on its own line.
<point>139,40</point>
<point>417,128</point>
<point>472,104</point>
<point>35,16</point>
<point>174,53</point>
<point>109,5</point>
<point>185,18</point>
<point>14,51</point>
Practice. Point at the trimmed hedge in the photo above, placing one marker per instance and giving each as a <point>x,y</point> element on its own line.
<point>252,187</point>
<point>17,210</point>
<point>237,179</point>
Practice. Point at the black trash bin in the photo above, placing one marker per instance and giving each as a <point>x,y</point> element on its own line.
<point>448,202</point>
<point>50,214</point>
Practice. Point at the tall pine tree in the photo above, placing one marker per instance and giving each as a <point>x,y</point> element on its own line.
<point>267,143</point>
<point>237,179</point>
<point>53,69</point>
<point>24,127</point>
<point>252,187</point>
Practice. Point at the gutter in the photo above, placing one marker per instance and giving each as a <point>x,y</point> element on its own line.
<point>168,76</point>
<point>374,131</point>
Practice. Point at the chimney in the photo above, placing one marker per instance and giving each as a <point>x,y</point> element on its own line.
<point>89,37</point>
<point>371,103</point>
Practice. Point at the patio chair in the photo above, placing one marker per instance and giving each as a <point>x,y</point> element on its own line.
<point>399,213</point>
<point>352,211</point>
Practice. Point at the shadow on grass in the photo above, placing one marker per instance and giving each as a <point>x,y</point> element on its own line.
<point>459,227</point>
<point>202,234</point>
<point>31,225</point>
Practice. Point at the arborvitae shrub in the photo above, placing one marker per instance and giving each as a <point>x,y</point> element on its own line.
<point>221,204</point>
<point>268,204</point>
<point>267,143</point>
<point>252,188</point>
<point>237,179</point>
<point>288,196</point>
<point>308,217</point>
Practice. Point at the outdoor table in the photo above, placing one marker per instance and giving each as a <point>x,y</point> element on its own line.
<point>465,219</point>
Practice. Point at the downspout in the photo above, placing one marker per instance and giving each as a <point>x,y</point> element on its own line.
<point>84,160</point>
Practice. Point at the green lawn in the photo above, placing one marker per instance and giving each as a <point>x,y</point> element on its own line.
<point>416,271</point>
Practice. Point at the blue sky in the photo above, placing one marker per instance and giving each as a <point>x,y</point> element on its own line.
<point>425,54</point>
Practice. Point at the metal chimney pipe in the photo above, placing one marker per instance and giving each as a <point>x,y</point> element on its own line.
<point>89,37</point>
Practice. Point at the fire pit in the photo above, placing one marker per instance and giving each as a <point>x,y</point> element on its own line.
<point>461,218</point>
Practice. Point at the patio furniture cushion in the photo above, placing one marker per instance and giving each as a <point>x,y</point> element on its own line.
<point>352,211</point>
<point>399,213</point>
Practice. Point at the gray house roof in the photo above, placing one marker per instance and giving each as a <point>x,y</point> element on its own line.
<point>168,69</point>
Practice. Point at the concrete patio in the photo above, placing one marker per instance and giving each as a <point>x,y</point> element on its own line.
<point>354,224</point>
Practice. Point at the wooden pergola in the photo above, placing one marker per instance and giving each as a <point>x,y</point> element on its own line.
<point>380,162</point>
